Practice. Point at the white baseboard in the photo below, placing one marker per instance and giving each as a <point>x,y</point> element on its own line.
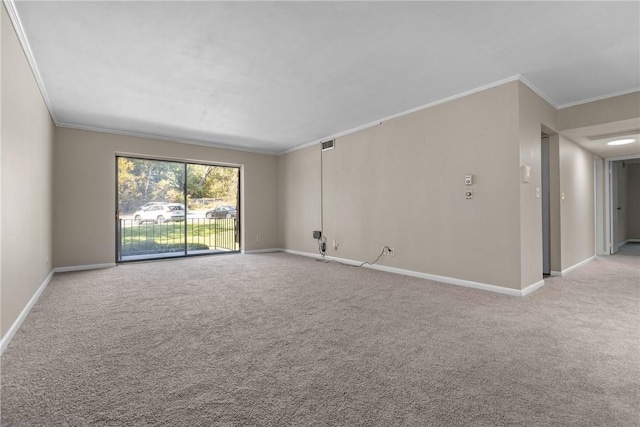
<point>633,241</point>
<point>433,277</point>
<point>307,254</point>
<point>578,265</point>
<point>261,251</point>
<point>555,273</point>
<point>84,267</point>
<point>23,314</point>
<point>529,289</point>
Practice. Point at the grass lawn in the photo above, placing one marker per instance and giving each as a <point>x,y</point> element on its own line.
<point>202,234</point>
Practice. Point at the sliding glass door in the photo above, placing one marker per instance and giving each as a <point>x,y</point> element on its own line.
<point>212,223</point>
<point>172,209</point>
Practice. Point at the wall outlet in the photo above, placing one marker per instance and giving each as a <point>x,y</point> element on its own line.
<point>468,194</point>
<point>389,251</point>
<point>258,238</point>
<point>335,245</point>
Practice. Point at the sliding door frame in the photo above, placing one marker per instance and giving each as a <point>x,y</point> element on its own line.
<point>239,217</point>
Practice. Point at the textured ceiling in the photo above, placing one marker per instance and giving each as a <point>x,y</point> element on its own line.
<point>269,76</point>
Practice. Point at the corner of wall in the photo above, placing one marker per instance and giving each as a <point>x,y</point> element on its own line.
<point>534,114</point>
<point>26,157</point>
<point>577,201</point>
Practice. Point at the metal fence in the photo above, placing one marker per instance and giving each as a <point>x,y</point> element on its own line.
<point>195,235</point>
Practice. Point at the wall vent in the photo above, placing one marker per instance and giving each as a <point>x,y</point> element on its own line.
<point>328,145</point>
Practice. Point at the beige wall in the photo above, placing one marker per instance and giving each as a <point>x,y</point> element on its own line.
<point>27,141</point>
<point>577,208</point>
<point>534,114</point>
<point>299,199</point>
<point>84,191</point>
<point>402,184</point>
<point>614,109</point>
<point>600,217</point>
<point>633,201</point>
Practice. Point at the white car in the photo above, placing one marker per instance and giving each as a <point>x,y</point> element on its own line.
<point>160,213</point>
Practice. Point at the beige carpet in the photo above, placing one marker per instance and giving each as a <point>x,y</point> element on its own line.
<point>631,248</point>
<point>281,340</point>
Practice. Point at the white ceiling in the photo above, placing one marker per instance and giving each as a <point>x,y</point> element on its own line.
<point>595,138</point>
<point>270,76</point>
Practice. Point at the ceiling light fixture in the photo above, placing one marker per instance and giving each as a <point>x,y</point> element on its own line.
<point>621,141</point>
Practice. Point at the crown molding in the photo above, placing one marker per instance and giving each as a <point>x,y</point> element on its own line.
<point>10,6</point>
<point>404,113</point>
<point>28,53</point>
<point>164,138</point>
<point>599,98</point>
<point>537,91</point>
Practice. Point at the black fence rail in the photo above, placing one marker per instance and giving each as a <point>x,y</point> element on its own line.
<point>195,235</point>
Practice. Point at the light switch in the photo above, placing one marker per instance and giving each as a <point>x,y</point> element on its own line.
<point>562,196</point>
<point>537,192</point>
<point>468,194</point>
<point>526,173</point>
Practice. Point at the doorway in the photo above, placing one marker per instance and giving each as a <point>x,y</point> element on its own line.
<point>546,206</point>
<point>171,209</point>
<point>623,202</point>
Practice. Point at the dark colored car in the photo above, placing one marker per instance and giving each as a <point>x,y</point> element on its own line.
<point>222,212</point>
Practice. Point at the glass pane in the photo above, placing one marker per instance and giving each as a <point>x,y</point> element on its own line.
<point>212,214</point>
<point>151,209</point>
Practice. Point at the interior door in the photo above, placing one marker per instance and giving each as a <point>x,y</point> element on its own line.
<point>546,208</point>
<point>616,208</point>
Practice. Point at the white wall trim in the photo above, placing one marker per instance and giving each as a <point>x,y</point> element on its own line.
<point>413,110</point>
<point>555,273</point>
<point>599,98</point>
<point>84,267</point>
<point>537,91</point>
<point>28,53</point>
<point>578,265</point>
<point>260,251</point>
<point>519,77</point>
<point>432,277</point>
<point>307,254</point>
<point>165,138</point>
<point>23,314</point>
<point>529,289</point>
<point>19,29</point>
<point>633,241</point>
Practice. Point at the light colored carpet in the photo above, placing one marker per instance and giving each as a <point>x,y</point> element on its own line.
<point>281,340</point>
<point>631,248</point>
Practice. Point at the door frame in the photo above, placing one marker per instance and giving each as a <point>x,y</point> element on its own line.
<point>608,200</point>
<point>185,162</point>
<point>545,184</point>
